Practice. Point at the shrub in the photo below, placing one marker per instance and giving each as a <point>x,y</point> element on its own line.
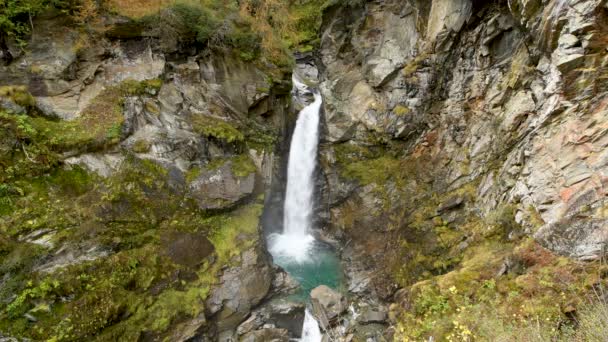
<point>592,319</point>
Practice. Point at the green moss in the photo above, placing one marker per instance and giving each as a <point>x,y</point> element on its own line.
<point>377,171</point>
<point>19,95</point>
<point>260,138</point>
<point>171,304</point>
<point>215,164</point>
<point>137,288</point>
<point>410,68</point>
<point>216,128</point>
<point>446,306</point>
<point>235,232</point>
<point>41,141</point>
<point>193,174</point>
<point>132,87</point>
<point>401,110</point>
<point>242,165</point>
<point>141,146</point>
<point>307,22</point>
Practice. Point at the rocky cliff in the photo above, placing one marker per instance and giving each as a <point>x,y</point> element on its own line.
<point>464,158</point>
<point>461,168</point>
<point>134,165</point>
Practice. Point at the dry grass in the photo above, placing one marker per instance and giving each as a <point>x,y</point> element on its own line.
<point>592,318</point>
<point>271,19</point>
<point>137,8</point>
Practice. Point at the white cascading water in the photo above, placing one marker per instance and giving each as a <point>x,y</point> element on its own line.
<point>310,331</point>
<point>296,242</point>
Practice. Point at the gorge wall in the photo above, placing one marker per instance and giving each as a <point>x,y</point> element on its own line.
<point>134,168</point>
<point>464,155</point>
<point>462,167</point>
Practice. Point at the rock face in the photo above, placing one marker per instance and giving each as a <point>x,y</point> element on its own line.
<point>240,289</point>
<point>442,115</point>
<point>221,188</point>
<point>172,148</point>
<point>278,314</point>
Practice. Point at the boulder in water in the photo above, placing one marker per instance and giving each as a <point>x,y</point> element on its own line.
<point>327,304</point>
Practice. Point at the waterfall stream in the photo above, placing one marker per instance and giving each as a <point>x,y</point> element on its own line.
<point>310,330</point>
<point>296,241</point>
<point>295,249</point>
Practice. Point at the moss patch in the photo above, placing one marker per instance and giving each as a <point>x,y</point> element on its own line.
<point>216,128</point>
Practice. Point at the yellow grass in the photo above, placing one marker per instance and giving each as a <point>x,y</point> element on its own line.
<point>137,8</point>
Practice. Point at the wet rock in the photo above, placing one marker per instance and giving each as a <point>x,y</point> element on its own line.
<point>328,304</point>
<point>190,329</point>
<point>283,283</point>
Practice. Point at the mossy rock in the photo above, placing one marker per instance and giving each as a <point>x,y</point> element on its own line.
<point>187,249</point>
<point>217,129</point>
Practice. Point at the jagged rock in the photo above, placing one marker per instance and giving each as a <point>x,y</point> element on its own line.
<point>239,290</point>
<point>102,164</point>
<point>520,105</point>
<point>8,339</point>
<point>575,237</point>
<point>398,40</point>
<point>237,82</point>
<point>369,316</point>
<point>266,335</point>
<point>221,188</point>
<point>280,313</point>
<point>327,305</point>
<point>451,203</point>
<point>283,283</point>
<point>447,14</point>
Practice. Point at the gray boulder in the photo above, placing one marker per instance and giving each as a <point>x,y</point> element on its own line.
<point>327,305</point>
<point>221,188</point>
<point>239,290</point>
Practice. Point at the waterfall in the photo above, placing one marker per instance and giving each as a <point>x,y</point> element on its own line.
<point>294,247</point>
<point>300,171</point>
<point>310,331</point>
<point>296,241</point>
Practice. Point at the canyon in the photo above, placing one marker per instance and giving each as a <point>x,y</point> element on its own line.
<point>446,181</point>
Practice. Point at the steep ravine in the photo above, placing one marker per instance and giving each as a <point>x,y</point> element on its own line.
<point>461,173</point>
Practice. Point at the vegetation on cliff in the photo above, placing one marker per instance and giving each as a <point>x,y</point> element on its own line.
<point>86,257</point>
<point>464,275</point>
